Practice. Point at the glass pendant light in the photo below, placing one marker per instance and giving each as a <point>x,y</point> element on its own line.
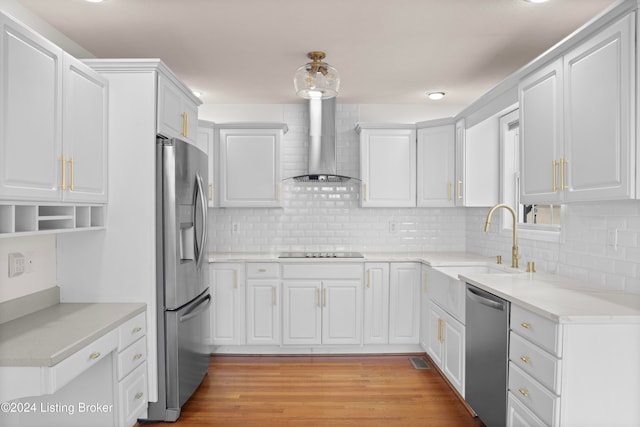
<point>316,79</point>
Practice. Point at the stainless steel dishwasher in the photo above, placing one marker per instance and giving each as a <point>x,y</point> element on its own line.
<point>487,355</point>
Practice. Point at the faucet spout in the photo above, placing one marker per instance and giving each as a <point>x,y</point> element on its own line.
<point>514,248</point>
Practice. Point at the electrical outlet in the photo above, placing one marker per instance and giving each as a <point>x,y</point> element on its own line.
<point>612,238</point>
<point>16,264</point>
<point>235,228</point>
<point>393,227</point>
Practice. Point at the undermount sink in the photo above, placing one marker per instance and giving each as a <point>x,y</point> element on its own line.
<point>454,271</point>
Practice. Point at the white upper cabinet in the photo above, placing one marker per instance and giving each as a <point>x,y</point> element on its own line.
<point>84,132</point>
<point>387,165</point>
<point>250,166</point>
<point>577,128</point>
<point>54,122</point>
<point>30,115</point>
<point>436,166</point>
<point>177,113</point>
<point>206,142</point>
<point>477,163</point>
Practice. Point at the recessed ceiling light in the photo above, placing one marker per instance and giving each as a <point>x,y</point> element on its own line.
<point>435,96</point>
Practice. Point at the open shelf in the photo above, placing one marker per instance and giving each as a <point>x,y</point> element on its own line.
<point>21,219</point>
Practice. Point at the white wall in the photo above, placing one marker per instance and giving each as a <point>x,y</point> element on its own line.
<point>41,250</point>
<point>582,252</point>
<point>328,217</point>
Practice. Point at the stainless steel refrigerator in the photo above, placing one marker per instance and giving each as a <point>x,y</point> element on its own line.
<point>182,274</point>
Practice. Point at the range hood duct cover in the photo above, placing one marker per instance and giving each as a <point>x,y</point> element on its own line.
<point>322,143</point>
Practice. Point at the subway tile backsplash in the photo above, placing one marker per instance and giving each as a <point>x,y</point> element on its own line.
<point>327,217</point>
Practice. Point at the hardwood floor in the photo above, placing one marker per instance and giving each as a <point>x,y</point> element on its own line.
<point>362,391</point>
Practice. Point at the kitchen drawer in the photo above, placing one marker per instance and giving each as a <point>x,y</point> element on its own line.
<point>132,392</point>
<point>519,415</point>
<point>536,362</point>
<point>132,330</point>
<point>74,365</point>
<point>322,270</point>
<point>542,331</point>
<point>534,395</point>
<point>131,357</point>
<point>263,270</point>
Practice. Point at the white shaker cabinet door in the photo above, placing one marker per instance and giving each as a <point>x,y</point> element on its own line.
<point>404,303</point>
<point>388,167</point>
<point>302,312</point>
<point>227,310</point>
<point>376,303</point>
<point>342,312</point>
<point>84,131</point>
<point>436,166</point>
<point>599,95</point>
<point>250,167</point>
<point>30,115</point>
<point>263,312</point>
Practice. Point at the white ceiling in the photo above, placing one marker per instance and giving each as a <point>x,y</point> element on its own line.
<point>387,51</point>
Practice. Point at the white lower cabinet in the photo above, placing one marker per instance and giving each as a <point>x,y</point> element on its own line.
<point>404,303</point>
<point>554,379</point>
<point>131,367</point>
<point>263,304</point>
<point>228,307</point>
<point>447,345</point>
<point>322,304</point>
<point>376,303</point>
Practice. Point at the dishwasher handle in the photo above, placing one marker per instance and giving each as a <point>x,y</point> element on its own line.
<point>485,298</point>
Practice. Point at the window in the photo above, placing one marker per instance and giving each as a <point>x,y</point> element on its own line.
<point>534,220</point>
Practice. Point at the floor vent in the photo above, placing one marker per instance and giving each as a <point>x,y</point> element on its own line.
<point>419,363</point>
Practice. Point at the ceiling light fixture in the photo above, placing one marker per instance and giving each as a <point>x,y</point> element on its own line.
<point>435,96</point>
<point>316,79</point>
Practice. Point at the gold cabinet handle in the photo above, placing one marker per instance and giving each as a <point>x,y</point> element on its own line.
<point>563,163</point>
<point>275,296</point>
<point>449,191</point>
<point>525,359</point>
<point>440,330</point>
<point>523,392</point>
<point>318,296</point>
<point>324,297</point>
<point>554,174</point>
<point>211,192</point>
<point>139,395</point>
<point>526,325</point>
<point>138,356</point>
<point>365,191</point>
<point>185,124</point>
<point>369,278</point>
<point>72,173</point>
<point>63,161</point>
<point>459,189</point>
<point>95,355</point>
<point>136,330</point>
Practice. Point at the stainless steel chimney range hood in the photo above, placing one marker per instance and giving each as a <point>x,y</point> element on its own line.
<point>322,143</point>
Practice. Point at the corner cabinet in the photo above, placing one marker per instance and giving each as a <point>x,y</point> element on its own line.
<point>387,165</point>
<point>577,122</point>
<point>177,113</point>
<point>250,164</point>
<point>436,164</point>
<point>63,157</point>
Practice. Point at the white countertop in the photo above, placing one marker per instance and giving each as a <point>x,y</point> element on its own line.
<point>48,336</point>
<point>558,298</point>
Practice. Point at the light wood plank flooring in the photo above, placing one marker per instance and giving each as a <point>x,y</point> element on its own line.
<point>363,391</point>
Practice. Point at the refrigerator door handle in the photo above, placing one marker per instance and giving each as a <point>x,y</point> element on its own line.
<point>201,247</point>
<point>195,311</point>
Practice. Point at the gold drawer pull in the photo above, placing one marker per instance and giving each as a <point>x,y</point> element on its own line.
<point>138,356</point>
<point>95,355</point>
<point>136,330</point>
<point>139,395</point>
<point>525,359</point>
<point>524,392</point>
<point>262,270</point>
<point>526,325</point>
